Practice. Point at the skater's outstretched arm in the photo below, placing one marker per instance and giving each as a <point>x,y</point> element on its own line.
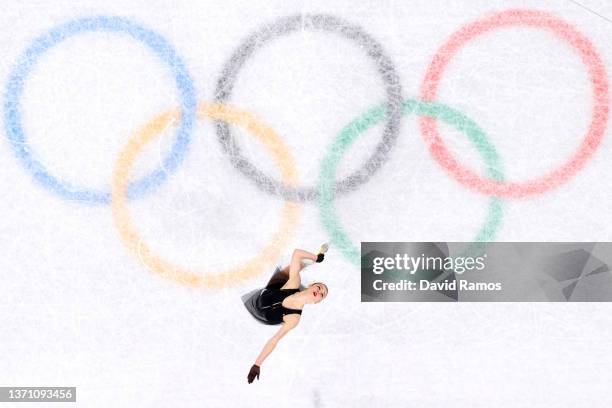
<point>290,322</point>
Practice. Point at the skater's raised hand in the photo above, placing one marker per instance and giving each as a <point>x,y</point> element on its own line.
<point>322,251</point>
<point>254,372</point>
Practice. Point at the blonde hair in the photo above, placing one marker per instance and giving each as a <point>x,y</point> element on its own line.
<point>321,283</point>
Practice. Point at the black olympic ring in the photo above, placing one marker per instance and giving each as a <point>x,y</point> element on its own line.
<point>324,22</point>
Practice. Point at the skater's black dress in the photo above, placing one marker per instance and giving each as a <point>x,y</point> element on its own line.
<point>266,305</point>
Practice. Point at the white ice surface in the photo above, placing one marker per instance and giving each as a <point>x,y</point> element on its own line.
<point>78,309</point>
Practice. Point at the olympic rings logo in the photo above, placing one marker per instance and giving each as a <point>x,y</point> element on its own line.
<point>391,112</point>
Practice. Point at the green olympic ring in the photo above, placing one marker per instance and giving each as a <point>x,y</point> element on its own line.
<point>375,115</point>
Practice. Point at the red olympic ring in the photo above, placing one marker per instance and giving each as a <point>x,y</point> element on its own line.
<point>599,119</point>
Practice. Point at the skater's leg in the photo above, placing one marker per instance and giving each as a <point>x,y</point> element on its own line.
<point>279,278</point>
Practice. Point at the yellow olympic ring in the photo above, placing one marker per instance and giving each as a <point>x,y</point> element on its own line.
<point>289,215</point>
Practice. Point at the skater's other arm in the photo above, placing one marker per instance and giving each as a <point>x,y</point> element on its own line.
<point>299,254</point>
<point>296,266</point>
<point>290,322</point>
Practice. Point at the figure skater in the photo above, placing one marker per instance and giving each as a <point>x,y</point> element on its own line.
<point>282,301</point>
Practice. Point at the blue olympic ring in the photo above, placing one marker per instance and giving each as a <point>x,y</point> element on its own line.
<point>160,46</point>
